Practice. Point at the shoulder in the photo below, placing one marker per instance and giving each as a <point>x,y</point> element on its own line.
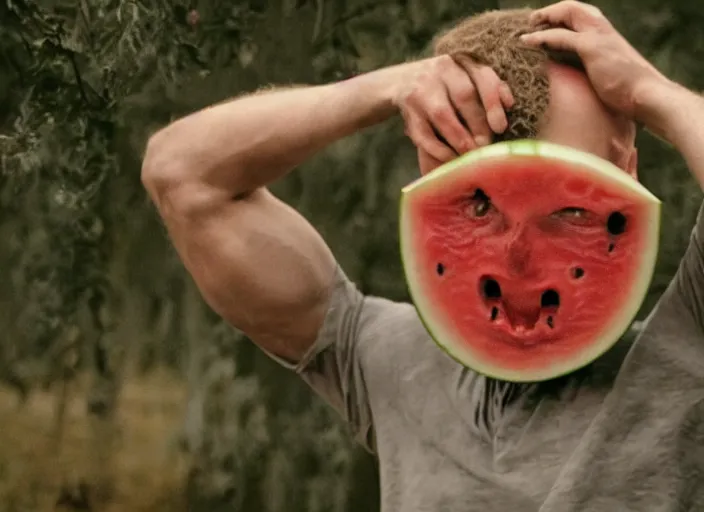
<point>397,352</point>
<point>687,287</point>
<point>395,330</point>
<point>376,324</point>
<point>384,321</point>
<point>385,339</point>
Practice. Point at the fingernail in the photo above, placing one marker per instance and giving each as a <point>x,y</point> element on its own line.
<point>507,95</point>
<point>497,120</point>
<point>470,144</point>
<point>481,140</point>
<point>528,39</point>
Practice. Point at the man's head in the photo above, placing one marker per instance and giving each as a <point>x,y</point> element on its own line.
<point>554,99</point>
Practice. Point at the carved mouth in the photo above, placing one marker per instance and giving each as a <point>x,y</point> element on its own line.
<point>522,315</point>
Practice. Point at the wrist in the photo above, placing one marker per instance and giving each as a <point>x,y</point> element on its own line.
<point>379,89</point>
<point>659,105</point>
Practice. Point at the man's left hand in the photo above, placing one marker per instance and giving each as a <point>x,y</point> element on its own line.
<point>618,73</point>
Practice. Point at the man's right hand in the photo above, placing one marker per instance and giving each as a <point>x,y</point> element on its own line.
<point>451,106</point>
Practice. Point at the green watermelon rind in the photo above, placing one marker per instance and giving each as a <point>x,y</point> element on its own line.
<point>619,324</point>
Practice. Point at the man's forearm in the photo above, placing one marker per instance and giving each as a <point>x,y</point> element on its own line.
<point>676,114</point>
<point>251,141</point>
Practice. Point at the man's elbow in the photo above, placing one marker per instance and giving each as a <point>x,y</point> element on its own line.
<point>161,175</point>
<point>158,168</point>
<point>172,185</point>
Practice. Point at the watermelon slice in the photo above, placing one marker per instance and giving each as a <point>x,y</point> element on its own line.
<point>527,260</point>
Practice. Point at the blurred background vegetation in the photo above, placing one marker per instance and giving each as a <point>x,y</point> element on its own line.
<point>119,389</point>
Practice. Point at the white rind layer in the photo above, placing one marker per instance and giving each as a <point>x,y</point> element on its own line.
<point>603,171</point>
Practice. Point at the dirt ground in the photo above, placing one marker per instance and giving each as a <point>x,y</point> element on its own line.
<point>147,469</point>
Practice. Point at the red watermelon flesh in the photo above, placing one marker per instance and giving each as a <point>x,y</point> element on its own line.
<point>527,260</point>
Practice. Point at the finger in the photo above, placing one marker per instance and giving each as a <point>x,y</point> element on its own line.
<point>471,144</point>
<point>427,162</point>
<point>574,15</point>
<point>421,133</point>
<point>443,117</point>
<point>507,98</point>
<point>491,89</point>
<point>466,100</point>
<point>558,39</point>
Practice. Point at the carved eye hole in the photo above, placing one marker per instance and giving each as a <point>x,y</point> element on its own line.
<point>479,204</point>
<point>574,215</point>
<point>571,212</point>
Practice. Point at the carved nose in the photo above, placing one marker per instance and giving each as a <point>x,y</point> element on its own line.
<point>519,250</point>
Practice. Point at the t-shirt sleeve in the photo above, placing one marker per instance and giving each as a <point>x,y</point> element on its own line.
<point>334,366</point>
<point>689,279</point>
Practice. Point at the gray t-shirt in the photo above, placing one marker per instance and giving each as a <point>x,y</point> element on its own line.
<point>625,434</point>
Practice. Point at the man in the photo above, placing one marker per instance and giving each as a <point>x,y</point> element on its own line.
<point>623,437</point>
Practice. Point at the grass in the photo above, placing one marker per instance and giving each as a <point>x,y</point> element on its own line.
<point>146,469</point>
